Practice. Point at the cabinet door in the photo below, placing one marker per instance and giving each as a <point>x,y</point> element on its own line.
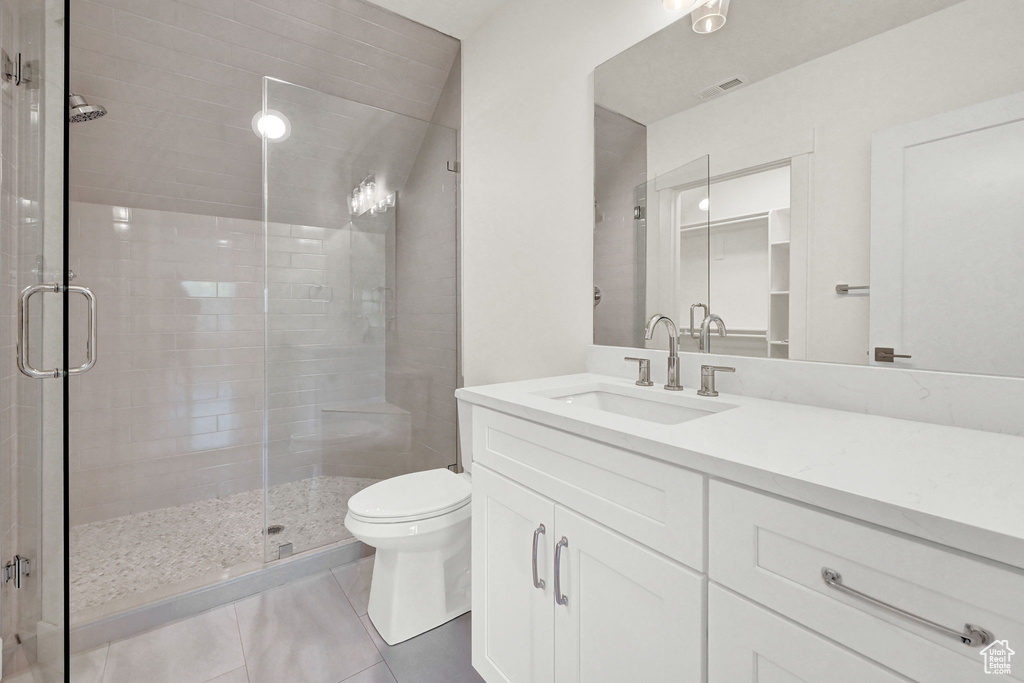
<point>747,643</point>
<point>632,614</point>
<point>513,629</point>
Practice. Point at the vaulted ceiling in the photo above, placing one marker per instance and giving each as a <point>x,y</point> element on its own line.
<point>457,18</point>
<point>182,79</point>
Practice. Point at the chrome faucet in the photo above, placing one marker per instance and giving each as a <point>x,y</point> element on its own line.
<point>673,348</point>
<point>705,331</point>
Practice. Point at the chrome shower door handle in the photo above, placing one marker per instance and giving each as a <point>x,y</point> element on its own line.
<point>707,312</point>
<point>559,597</point>
<point>537,582</point>
<point>24,337</point>
<point>90,342</point>
<point>24,315</point>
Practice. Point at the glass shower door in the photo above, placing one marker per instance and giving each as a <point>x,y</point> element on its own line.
<point>32,238</point>
<point>359,212</point>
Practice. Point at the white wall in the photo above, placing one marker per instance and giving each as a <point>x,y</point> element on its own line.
<point>528,182</point>
<point>923,68</point>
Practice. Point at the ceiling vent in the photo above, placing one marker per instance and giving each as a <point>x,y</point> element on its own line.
<point>721,88</point>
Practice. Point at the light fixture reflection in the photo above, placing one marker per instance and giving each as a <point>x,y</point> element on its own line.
<point>368,198</point>
<point>704,204</point>
<point>273,125</point>
<point>677,5</point>
<point>710,16</point>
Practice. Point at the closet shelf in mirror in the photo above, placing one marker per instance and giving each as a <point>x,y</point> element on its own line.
<point>726,222</point>
<point>753,334</point>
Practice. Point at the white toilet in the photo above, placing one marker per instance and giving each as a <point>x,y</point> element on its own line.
<point>420,525</point>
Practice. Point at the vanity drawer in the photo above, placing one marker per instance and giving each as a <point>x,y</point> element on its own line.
<point>654,503</point>
<point>749,644</point>
<point>774,551</point>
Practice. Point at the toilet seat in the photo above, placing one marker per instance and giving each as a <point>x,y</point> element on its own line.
<point>411,497</point>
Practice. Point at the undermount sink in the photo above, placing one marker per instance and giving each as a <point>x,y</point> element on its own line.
<point>624,401</point>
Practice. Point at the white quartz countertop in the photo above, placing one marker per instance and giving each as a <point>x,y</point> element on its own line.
<point>958,487</point>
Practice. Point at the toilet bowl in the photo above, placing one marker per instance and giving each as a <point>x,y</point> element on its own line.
<point>420,525</point>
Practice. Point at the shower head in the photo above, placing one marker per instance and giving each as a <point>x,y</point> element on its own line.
<point>80,110</point>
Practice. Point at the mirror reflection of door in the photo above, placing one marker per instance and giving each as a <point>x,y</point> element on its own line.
<point>947,240</point>
<point>678,210</point>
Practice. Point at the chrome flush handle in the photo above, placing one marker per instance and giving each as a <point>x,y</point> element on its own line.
<point>537,582</point>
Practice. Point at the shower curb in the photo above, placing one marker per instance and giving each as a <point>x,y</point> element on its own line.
<point>147,617</point>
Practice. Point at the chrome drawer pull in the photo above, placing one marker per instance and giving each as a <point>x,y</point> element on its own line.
<point>537,582</point>
<point>559,598</point>
<point>971,636</point>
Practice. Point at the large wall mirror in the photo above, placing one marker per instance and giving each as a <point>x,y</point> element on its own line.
<point>836,181</point>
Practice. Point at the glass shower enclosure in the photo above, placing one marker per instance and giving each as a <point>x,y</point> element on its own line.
<point>360,326</point>
<point>259,366</point>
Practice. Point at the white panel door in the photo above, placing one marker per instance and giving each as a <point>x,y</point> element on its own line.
<point>749,644</point>
<point>631,614</point>
<point>947,240</point>
<point>513,630</point>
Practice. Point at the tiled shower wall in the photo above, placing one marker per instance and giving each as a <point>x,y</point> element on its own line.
<point>172,412</point>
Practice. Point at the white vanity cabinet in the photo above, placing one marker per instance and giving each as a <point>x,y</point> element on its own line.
<point>673,571</point>
<point>627,613</point>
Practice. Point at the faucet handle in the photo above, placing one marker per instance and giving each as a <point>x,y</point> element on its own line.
<point>645,371</point>
<point>707,378</point>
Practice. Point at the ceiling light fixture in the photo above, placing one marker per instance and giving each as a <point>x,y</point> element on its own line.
<point>273,124</point>
<point>710,16</point>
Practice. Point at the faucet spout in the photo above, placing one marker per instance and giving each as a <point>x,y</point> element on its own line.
<point>673,347</point>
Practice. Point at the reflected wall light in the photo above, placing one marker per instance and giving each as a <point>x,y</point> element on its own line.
<point>710,16</point>
<point>369,196</point>
<point>677,5</point>
<point>274,125</point>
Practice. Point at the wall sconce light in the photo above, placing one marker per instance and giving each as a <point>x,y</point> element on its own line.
<point>710,16</point>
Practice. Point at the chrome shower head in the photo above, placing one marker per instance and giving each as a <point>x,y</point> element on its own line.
<point>80,110</point>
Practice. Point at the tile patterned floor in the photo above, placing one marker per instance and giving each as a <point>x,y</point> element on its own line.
<point>309,631</point>
<point>140,553</point>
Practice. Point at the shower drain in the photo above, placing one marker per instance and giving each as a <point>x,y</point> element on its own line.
<point>275,529</point>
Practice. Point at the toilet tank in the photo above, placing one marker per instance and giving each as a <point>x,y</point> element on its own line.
<point>466,434</point>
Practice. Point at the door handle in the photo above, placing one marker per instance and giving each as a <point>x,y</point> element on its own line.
<point>886,354</point>
<point>24,314</point>
<point>537,582</point>
<point>559,597</point>
<point>90,342</point>
<point>24,336</point>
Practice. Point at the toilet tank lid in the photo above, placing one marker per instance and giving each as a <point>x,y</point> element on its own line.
<point>412,495</point>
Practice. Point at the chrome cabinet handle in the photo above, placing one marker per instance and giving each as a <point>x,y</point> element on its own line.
<point>537,582</point>
<point>24,313</point>
<point>24,343</point>
<point>559,598</point>
<point>971,636</point>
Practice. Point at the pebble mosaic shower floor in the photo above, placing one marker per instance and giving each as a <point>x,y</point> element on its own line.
<point>134,555</point>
